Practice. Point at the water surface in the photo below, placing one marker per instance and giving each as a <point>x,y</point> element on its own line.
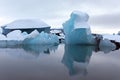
<point>60,62</point>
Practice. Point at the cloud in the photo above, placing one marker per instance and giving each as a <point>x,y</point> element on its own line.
<point>102,12</point>
<point>111,20</point>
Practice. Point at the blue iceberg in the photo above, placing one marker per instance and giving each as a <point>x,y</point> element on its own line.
<point>41,39</point>
<point>76,29</point>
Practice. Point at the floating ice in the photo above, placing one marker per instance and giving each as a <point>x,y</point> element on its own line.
<point>15,35</point>
<point>106,46</point>
<point>76,29</point>
<point>42,39</point>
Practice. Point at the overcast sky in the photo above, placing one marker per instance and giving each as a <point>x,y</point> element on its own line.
<point>104,14</point>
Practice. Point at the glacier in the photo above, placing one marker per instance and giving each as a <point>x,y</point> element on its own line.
<point>77,30</point>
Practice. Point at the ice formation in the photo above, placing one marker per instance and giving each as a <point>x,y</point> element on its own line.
<point>42,39</point>
<point>106,46</point>
<point>16,35</point>
<point>76,29</point>
<point>33,34</point>
<point>14,38</point>
<point>26,23</point>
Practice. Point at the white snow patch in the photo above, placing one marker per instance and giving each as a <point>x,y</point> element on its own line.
<point>112,37</point>
<point>2,37</point>
<point>26,23</point>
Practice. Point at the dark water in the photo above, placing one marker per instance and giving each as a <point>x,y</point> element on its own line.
<point>59,63</point>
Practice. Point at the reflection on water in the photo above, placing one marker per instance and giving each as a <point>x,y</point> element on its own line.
<point>37,49</point>
<point>68,62</point>
<point>79,54</point>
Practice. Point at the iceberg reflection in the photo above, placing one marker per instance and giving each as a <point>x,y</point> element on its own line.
<point>37,49</point>
<point>76,58</point>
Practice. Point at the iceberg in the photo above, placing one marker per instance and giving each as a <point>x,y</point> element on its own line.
<point>16,38</point>
<point>33,34</point>
<point>106,46</point>
<point>76,29</point>
<point>16,35</point>
<point>41,39</point>
<point>12,39</point>
<point>27,25</point>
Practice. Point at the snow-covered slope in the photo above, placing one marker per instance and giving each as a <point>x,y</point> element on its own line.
<point>26,23</point>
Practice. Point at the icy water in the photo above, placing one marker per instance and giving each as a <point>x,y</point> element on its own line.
<point>60,62</point>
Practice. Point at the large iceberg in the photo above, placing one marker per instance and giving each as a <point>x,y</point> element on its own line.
<point>76,29</point>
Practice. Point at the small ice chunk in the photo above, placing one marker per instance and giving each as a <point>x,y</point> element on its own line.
<point>106,46</point>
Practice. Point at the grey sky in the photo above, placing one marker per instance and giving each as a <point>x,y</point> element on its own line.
<point>103,13</point>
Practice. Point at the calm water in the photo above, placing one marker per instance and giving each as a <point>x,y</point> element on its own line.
<point>60,62</point>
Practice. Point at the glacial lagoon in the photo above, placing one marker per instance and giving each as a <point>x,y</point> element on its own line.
<point>62,62</point>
